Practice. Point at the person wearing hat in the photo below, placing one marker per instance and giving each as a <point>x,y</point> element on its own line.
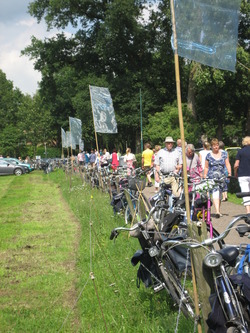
<point>168,160</point>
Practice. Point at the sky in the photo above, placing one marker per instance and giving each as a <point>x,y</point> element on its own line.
<point>16,29</point>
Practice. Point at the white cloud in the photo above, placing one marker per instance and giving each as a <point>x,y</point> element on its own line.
<point>17,27</point>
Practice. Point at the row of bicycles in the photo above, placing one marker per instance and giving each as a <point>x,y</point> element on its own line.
<point>166,256</point>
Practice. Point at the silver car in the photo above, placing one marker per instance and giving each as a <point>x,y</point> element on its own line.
<point>7,168</point>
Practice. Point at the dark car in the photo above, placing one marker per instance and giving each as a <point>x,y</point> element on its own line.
<point>7,168</point>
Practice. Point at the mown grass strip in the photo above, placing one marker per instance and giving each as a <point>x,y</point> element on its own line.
<point>39,239</point>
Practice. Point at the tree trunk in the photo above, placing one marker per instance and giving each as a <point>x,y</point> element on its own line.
<point>191,90</point>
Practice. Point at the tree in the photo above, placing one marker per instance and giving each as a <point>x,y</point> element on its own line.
<point>166,123</point>
<point>114,47</point>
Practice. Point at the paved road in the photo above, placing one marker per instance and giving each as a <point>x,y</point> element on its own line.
<point>229,211</point>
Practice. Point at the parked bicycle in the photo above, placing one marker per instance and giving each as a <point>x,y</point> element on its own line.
<point>153,270</point>
<point>230,303</point>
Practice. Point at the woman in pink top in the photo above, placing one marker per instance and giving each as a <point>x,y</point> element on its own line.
<point>115,161</point>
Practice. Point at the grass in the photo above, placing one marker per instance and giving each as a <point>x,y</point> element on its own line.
<point>37,255</point>
<point>59,270</point>
<point>232,198</point>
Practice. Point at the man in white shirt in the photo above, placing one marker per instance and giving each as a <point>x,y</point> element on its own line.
<point>168,160</point>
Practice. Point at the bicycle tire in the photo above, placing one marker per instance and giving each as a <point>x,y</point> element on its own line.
<point>174,288</point>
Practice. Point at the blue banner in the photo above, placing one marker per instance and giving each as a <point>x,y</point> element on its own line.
<point>207,31</point>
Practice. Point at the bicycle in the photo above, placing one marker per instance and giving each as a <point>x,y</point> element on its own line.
<point>152,271</point>
<point>200,210</point>
<point>229,298</point>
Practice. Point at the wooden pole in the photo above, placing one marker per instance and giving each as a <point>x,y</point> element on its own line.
<point>71,148</point>
<point>178,90</point>
<point>94,121</point>
<point>141,121</point>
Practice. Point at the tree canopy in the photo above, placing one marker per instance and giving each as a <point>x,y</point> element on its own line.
<point>116,47</point>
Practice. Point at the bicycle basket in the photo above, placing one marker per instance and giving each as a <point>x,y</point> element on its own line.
<point>136,184</point>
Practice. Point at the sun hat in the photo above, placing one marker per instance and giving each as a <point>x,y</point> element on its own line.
<point>169,139</point>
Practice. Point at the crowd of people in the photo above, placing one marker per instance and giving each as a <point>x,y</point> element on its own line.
<point>210,162</point>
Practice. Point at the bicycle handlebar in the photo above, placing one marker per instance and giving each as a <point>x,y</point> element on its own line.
<point>242,194</point>
<point>209,241</point>
<point>115,232</point>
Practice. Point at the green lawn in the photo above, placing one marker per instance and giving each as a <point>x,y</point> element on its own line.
<point>59,270</point>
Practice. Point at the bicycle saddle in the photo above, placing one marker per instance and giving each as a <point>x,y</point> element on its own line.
<point>229,254</point>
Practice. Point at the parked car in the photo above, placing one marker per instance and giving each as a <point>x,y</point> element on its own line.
<point>7,168</point>
<point>17,162</point>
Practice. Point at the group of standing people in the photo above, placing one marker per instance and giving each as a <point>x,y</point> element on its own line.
<point>211,162</point>
<point>103,158</point>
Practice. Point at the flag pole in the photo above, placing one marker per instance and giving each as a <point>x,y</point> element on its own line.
<point>141,121</point>
<point>71,147</point>
<point>62,144</point>
<point>178,90</point>
<point>93,121</point>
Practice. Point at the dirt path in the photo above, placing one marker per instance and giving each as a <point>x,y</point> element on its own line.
<point>229,211</point>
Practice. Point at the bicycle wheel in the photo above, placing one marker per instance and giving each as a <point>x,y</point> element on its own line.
<point>132,217</point>
<point>180,296</point>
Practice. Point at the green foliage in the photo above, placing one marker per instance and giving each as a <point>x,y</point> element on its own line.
<point>166,123</point>
<point>138,160</point>
<point>115,47</point>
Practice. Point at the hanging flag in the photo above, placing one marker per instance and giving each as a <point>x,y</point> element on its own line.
<point>81,144</point>
<point>75,126</point>
<point>103,110</point>
<point>63,136</point>
<point>207,31</point>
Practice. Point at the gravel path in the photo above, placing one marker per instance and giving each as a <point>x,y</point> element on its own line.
<point>229,211</point>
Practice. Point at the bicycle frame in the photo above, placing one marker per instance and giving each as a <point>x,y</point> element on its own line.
<point>215,261</point>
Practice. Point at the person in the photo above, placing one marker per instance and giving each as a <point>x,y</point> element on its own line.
<point>203,153</point>
<point>225,188</point>
<point>169,160</point>
<point>86,155</point>
<point>147,162</point>
<point>194,168</point>
<point>130,159</point>
<point>178,146</point>
<point>92,158</point>
<point>242,170</point>
<point>157,184</point>
<point>105,158</point>
<point>215,164</point>
<point>98,161</point>
<point>114,160</point>
<point>81,158</point>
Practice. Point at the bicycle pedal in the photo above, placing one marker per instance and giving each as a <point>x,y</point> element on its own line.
<point>158,287</point>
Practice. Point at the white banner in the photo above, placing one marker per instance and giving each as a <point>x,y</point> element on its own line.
<point>70,142</point>
<point>75,126</point>
<point>64,140</point>
<point>103,110</point>
<point>81,144</point>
